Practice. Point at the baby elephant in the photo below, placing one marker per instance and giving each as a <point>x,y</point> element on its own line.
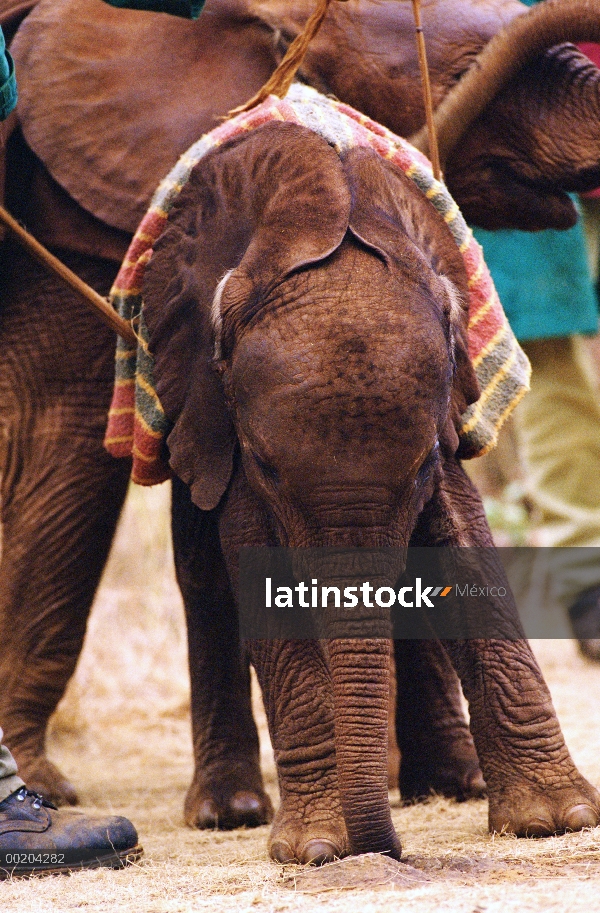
<point>306,312</point>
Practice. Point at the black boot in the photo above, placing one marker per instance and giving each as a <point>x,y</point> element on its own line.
<point>36,838</point>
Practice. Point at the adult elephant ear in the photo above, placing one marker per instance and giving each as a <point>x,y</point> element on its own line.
<point>12,13</point>
<point>110,98</point>
<point>385,202</point>
<point>263,206</point>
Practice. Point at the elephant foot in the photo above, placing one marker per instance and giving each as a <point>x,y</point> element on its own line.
<point>449,769</point>
<point>42,776</point>
<point>306,839</point>
<point>226,806</point>
<point>528,810</point>
<point>437,753</point>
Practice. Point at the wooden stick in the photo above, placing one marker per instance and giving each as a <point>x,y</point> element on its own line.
<point>100,304</point>
<point>281,79</point>
<point>433,145</point>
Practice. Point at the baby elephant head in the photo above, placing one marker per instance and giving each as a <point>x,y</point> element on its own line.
<point>313,309</point>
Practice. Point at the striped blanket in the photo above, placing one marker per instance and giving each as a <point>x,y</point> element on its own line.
<point>137,425</point>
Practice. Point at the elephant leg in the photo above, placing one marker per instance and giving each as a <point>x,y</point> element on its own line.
<point>58,523</point>
<point>393,752</point>
<point>296,685</point>
<point>227,790</point>
<point>298,697</point>
<point>533,786</point>
<point>436,748</point>
<point>61,497</point>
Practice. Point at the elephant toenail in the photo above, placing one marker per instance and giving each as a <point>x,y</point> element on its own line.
<point>245,803</point>
<point>475,787</point>
<point>208,815</point>
<point>539,827</point>
<point>580,816</point>
<point>281,851</point>
<point>317,852</point>
<point>246,808</point>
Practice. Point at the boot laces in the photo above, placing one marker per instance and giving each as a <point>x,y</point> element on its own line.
<point>38,799</point>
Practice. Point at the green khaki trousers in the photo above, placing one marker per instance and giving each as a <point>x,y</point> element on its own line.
<point>558,426</point>
<point>9,781</point>
<point>590,211</point>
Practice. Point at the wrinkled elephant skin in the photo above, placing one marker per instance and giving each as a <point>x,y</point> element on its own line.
<point>101,141</point>
<point>338,321</point>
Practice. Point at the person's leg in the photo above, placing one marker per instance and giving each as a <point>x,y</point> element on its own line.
<point>559,433</point>
<point>9,780</point>
<point>590,211</point>
<point>558,424</point>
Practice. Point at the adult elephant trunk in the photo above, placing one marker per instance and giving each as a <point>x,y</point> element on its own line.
<point>551,23</point>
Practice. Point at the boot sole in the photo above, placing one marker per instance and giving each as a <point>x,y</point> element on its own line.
<point>114,860</point>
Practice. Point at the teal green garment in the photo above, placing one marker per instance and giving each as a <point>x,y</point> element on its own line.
<point>189,9</point>
<point>8,83</point>
<point>543,281</point>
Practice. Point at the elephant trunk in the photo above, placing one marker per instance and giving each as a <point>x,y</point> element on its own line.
<point>360,671</point>
<point>359,644</point>
<point>544,26</point>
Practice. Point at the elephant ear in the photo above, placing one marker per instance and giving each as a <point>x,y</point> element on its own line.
<point>12,13</point>
<point>385,201</point>
<point>263,206</point>
<point>364,54</point>
<point>110,98</point>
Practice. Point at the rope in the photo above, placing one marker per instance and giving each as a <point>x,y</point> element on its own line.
<point>282,78</point>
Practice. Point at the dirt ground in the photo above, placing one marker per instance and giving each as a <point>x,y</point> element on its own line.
<point>122,735</point>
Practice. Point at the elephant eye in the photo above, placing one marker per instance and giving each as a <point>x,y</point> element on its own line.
<point>464,64</point>
<point>430,461</point>
<point>268,471</point>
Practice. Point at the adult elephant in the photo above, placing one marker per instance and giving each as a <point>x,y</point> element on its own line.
<point>299,293</point>
<point>94,144</point>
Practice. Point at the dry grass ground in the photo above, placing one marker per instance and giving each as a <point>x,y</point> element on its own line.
<point>122,734</point>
